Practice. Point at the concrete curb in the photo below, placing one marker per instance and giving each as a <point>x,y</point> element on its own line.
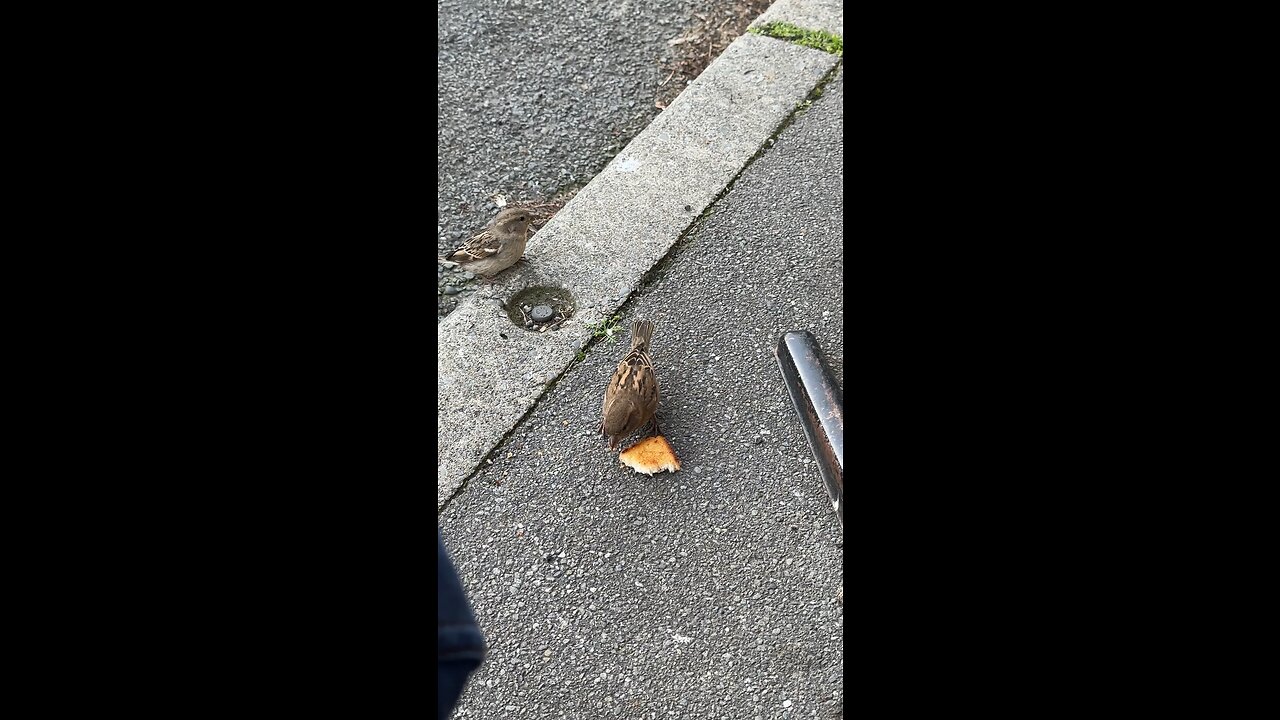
<point>601,244</point>
<point>826,15</point>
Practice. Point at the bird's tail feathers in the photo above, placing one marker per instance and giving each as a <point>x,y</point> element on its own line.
<point>641,333</point>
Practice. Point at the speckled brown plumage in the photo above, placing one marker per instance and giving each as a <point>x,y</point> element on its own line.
<point>497,247</point>
<point>631,400</point>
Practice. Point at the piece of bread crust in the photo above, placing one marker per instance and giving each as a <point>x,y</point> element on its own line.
<point>649,456</point>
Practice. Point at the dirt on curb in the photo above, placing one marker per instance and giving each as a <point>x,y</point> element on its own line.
<point>701,42</point>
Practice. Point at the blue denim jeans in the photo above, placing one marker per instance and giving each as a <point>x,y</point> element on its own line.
<point>459,642</point>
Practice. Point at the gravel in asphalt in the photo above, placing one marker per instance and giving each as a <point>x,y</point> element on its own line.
<point>706,593</point>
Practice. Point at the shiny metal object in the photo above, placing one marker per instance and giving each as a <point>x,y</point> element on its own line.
<point>819,400</point>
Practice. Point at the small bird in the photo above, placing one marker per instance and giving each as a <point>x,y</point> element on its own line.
<point>631,400</point>
<point>497,247</point>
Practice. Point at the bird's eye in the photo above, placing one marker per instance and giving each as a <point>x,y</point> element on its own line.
<point>522,218</point>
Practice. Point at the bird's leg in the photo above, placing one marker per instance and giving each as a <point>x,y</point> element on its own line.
<point>651,428</point>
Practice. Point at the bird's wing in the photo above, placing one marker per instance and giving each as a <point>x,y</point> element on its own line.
<point>634,378</point>
<point>478,247</point>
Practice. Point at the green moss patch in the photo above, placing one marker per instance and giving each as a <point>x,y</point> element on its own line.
<point>816,39</point>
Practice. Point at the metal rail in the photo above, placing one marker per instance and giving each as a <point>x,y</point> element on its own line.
<point>819,401</point>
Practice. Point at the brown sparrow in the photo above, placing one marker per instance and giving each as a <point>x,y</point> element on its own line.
<point>497,247</point>
<point>631,400</point>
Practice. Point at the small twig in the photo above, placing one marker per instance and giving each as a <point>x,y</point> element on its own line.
<point>664,82</point>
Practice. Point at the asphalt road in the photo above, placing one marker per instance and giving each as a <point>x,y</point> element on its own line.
<point>707,593</point>
<point>534,97</point>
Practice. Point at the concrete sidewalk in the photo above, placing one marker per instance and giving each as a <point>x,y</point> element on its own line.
<point>707,593</point>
